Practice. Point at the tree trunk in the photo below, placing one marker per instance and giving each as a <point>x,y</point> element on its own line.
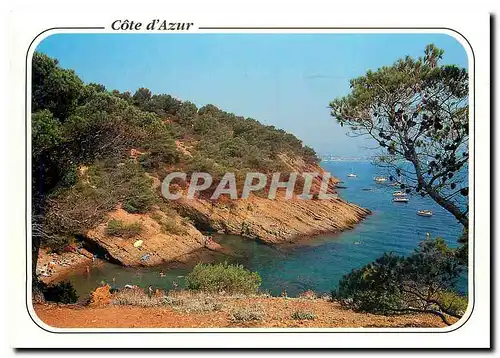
<point>452,208</point>
<point>36,288</point>
<point>446,204</point>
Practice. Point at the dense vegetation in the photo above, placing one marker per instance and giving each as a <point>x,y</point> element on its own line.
<point>223,278</point>
<point>62,292</point>
<point>425,281</point>
<point>83,134</point>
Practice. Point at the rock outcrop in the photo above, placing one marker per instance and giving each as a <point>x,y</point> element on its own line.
<point>272,221</point>
<point>101,296</point>
<point>277,220</point>
<point>157,246</point>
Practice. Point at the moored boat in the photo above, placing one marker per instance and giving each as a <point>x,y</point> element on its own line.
<point>400,199</point>
<point>381,179</point>
<point>424,213</point>
<point>399,193</point>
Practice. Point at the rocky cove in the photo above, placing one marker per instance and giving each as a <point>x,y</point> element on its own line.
<point>271,222</point>
<point>301,256</point>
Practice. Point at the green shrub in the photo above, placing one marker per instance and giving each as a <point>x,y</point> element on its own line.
<point>63,292</point>
<point>250,313</point>
<point>303,315</point>
<point>422,282</point>
<point>187,221</point>
<point>453,302</point>
<point>223,278</point>
<point>140,196</point>
<point>118,228</point>
<point>134,187</point>
<point>156,217</point>
<point>170,226</point>
<point>137,297</point>
<point>195,304</point>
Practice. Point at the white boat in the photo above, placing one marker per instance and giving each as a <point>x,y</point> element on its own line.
<point>424,213</point>
<point>351,175</point>
<point>381,179</point>
<point>400,199</point>
<point>399,193</point>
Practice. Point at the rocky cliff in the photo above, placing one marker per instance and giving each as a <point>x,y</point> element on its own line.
<point>273,221</point>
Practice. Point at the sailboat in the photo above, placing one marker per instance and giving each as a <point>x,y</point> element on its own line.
<point>352,175</point>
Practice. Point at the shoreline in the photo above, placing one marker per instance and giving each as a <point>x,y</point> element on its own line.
<point>53,267</point>
<point>186,260</point>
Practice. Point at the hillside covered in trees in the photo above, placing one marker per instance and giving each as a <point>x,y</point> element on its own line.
<point>96,150</point>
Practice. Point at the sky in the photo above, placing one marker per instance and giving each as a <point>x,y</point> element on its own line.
<point>286,80</point>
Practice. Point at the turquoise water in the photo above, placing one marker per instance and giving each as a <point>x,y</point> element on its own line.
<point>316,264</point>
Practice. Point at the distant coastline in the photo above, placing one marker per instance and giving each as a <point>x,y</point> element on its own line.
<point>337,158</point>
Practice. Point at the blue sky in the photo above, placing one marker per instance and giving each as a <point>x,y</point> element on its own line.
<point>286,80</point>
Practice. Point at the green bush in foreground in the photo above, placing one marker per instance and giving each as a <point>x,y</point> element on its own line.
<point>120,229</point>
<point>423,282</point>
<point>303,315</point>
<point>223,278</point>
<point>137,297</point>
<point>453,302</point>
<point>245,314</point>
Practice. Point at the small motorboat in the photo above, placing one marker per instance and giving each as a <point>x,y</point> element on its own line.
<point>367,189</point>
<point>400,199</point>
<point>352,175</point>
<point>424,213</point>
<point>381,179</point>
<point>399,193</point>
